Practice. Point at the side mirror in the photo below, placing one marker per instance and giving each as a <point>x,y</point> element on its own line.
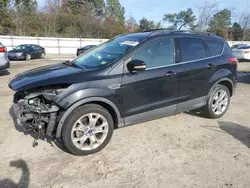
<point>136,65</point>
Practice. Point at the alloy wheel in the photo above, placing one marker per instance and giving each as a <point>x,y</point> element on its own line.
<point>220,102</point>
<point>89,131</point>
<point>28,57</point>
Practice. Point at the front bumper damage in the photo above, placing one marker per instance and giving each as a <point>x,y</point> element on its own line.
<point>39,119</point>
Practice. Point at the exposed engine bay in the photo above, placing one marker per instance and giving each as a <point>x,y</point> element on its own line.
<point>36,113</point>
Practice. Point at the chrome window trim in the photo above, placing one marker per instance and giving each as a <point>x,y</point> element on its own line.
<point>190,61</point>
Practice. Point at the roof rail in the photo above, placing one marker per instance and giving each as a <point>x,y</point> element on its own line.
<point>193,31</point>
<point>181,31</point>
<point>159,29</point>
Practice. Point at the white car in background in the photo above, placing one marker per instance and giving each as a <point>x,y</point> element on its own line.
<point>235,46</point>
<point>242,53</point>
<point>4,61</point>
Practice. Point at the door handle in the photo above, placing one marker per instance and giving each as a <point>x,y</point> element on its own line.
<point>170,74</point>
<point>210,66</point>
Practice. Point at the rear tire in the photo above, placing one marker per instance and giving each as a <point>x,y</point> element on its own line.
<point>87,130</point>
<point>217,102</point>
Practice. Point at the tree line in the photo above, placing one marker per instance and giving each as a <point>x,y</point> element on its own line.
<point>106,18</point>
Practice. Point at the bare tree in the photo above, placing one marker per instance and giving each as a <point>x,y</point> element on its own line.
<point>48,17</point>
<point>24,17</point>
<point>18,19</point>
<point>206,10</point>
<point>88,25</point>
<point>131,25</point>
<point>244,21</point>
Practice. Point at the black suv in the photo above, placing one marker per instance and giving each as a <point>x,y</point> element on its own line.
<point>129,79</point>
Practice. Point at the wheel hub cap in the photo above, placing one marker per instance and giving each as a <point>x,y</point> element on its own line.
<point>90,131</point>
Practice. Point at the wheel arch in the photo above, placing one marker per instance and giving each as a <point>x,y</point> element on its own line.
<point>228,83</point>
<point>223,77</point>
<point>107,104</point>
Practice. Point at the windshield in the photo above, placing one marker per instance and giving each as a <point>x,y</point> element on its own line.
<point>234,46</point>
<point>244,47</point>
<point>21,47</point>
<point>108,52</point>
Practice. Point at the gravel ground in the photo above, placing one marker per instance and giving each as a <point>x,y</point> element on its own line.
<point>184,150</point>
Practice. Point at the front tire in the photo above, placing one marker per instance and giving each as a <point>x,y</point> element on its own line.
<point>87,130</point>
<point>42,56</point>
<point>28,57</point>
<point>217,103</point>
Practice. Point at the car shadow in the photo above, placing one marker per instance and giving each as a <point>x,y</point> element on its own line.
<point>4,73</point>
<point>196,113</point>
<point>243,77</point>
<point>53,142</point>
<point>24,179</point>
<point>239,132</point>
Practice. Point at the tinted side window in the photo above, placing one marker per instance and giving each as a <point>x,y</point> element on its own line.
<point>227,50</point>
<point>234,46</point>
<point>192,49</point>
<point>157,53</point>
<point>86,47</point>
<point>32,47</point>
<point>38,47</point>
<point>215,48</point>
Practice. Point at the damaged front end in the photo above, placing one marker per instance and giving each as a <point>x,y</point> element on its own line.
<point>36,112</point>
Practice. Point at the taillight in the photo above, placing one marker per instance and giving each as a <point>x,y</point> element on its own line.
<point>246,52</point>
<point>233,60</point>
<point>3,49</point>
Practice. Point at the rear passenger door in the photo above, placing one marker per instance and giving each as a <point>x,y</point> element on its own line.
<point>39,51</point>
<point>33,51</point>
<point>196,68</point>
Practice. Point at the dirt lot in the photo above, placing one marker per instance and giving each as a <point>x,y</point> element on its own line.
<point>178,151</point>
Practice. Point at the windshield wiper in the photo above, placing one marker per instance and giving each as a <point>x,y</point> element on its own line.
<point>70,63</point>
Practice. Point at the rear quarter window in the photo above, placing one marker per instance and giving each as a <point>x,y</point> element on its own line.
<point>227,50</point>
<point>215,48</point>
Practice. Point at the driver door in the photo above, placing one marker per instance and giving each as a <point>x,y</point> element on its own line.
<point>152,93</point>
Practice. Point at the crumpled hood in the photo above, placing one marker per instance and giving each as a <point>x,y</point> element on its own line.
<point>46,76</point>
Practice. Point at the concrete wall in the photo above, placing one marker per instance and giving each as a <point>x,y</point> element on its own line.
<point>61,46</point>
<point>52,45</point>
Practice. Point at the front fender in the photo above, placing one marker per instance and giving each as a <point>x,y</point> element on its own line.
<point>84,101</point>
<point>66,102</point>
